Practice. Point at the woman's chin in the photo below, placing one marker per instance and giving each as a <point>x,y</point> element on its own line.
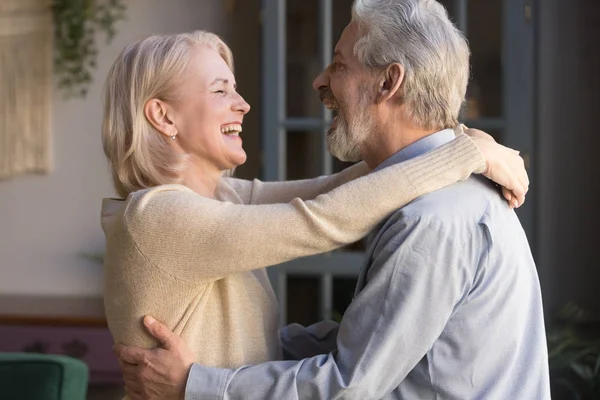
<point>236,159</point>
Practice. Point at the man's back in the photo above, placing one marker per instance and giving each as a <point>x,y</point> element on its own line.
<point>460,260</point>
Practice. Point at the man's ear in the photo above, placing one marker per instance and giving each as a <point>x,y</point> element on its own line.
<point>156,113</point>
<point>390,82</point>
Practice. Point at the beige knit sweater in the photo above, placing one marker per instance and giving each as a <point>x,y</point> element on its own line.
<point>197,264</point>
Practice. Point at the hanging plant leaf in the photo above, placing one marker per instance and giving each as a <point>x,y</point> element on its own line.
<point>76,24</point>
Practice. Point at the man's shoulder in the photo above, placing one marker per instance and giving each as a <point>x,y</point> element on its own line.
<point>467,200</point>
<point>456,210</point>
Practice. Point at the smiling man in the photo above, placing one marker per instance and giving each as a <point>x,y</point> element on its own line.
<point>449,304</point>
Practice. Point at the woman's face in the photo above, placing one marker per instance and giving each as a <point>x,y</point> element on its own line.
<point>208,113</point>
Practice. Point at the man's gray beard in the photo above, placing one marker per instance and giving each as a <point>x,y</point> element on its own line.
<point>346,141</point>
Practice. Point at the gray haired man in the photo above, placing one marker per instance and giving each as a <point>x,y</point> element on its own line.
<point>449,304</point>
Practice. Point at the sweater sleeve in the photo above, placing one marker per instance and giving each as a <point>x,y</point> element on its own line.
<point>196,238</point>
<point>258,192</point>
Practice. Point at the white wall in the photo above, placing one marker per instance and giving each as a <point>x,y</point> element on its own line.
<point>47,222</point>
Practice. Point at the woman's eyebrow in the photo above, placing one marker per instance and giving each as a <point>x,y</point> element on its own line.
<point>224,81</point>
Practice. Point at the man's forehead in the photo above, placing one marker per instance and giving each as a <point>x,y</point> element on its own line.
<point>345,45</point>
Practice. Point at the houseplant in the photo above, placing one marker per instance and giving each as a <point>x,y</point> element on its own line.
<point>77,24</point>
<point>574,355</point>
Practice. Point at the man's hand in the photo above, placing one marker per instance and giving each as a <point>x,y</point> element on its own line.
<point>504,166</point>
<point>159,373</point>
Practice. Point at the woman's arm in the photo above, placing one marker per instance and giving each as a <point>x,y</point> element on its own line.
<point>258,192</point>
<point>196,238</point>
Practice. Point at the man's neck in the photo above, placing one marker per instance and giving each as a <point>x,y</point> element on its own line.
<point>390,139</point>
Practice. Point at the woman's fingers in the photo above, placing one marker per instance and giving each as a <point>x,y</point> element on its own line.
<point>508,196</point>
<point>507,168</point>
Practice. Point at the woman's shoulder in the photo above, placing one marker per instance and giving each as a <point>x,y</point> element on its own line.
<point>147,205</point>
<point>140,198</point>
<point>165,199</point>
<point>172,189</point>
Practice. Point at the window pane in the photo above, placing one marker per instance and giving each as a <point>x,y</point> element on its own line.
<point>304,296</point>
<point>484,32</point>
<point>338,165</point>
<point>303,299</point>
<point>485,39</point>
<point>303,155</point>
<point>303,61</point>
<point>342,12</point>
<point>343,292</point>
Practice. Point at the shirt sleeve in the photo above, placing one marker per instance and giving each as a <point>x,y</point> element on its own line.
<point>258,192</point>
<point>194,238</point>
<point>415,281</point>
<point>300,342</point>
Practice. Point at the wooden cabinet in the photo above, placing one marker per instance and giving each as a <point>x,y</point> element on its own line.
<point>70,326</point>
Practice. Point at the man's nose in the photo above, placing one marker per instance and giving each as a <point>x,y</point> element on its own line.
<point>320,81</point>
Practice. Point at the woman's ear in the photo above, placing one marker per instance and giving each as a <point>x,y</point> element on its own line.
<point>156,113</point>
<point>390,82</point>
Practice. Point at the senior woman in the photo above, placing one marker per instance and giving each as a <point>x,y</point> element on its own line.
<point>188,245</point>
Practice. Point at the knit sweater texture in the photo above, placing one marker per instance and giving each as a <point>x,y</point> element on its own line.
<point>197,264</point>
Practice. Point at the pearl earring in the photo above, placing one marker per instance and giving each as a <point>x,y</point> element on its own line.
<point>173,137</point>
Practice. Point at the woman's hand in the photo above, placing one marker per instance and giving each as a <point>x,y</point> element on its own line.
<point>504,166</point>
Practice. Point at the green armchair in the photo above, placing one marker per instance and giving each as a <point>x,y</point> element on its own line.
<point>42,377</point>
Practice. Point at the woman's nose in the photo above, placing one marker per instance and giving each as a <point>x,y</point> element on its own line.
<point>241,105</point>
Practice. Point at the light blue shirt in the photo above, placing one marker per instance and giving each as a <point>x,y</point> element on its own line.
<point>447,307</point>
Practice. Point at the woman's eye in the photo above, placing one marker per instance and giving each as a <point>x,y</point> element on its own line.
<point>220,91</point>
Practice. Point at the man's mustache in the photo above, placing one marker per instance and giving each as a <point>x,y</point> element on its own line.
<point>325,94</point>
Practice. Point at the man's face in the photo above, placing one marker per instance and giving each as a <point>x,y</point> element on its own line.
<point>347,87</point>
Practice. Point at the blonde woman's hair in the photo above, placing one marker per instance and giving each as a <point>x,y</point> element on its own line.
<point>140,156</point>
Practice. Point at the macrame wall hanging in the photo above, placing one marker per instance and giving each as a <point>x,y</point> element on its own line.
<point>25,86</point>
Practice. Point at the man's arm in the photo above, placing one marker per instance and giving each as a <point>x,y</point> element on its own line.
<point>415,282</point>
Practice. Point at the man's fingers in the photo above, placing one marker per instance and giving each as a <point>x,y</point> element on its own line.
<point>133,394</point>
<point>134,386</point>
<point>160,332</point>
<point>131,355</point>
<point>120,350</point>
<point>126,366</point>
<point>129,371</point>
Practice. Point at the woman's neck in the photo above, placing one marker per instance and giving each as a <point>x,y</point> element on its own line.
<point>201,178</point>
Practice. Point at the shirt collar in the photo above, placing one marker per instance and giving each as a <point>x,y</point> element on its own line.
<point>419,147</point>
